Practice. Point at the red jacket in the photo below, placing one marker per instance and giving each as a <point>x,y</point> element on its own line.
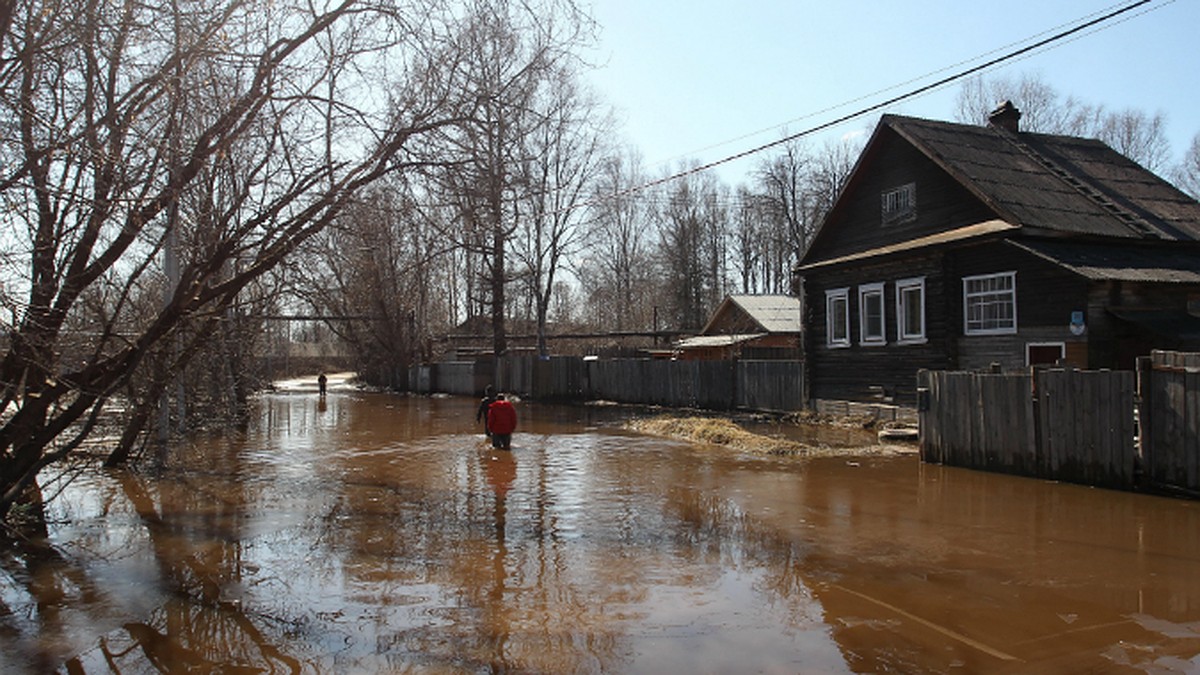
<point>502,417</point>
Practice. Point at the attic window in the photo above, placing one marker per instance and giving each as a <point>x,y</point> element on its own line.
<point>899,204</point>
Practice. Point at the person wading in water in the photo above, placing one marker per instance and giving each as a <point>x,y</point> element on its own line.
<point>482,412</point>
<point>502,421</point>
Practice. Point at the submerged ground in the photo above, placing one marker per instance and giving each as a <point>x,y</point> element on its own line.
<point>378,533</point>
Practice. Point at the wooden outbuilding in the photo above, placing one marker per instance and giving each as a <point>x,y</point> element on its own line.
<point>956,247</point>
<point>753,327</point>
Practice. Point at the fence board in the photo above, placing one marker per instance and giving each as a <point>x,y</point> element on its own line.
<point>1191,446</point>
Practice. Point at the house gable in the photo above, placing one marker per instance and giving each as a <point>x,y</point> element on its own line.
<point>890,162</point>
<point>1046,185</point>
<point>742,314</point>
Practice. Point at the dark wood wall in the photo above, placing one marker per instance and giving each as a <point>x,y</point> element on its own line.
<point>857,224</point>
<point>1116,343</point>
<point>1046,296</point>
<point>867,373</point>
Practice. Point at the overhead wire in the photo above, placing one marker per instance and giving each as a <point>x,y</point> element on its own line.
<point>919,78</point>
<point>1090,21</point>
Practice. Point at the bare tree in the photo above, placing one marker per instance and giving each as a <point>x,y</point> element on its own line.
<point>503,60</point>
<point>750,241</point>
<point>1187,174</point>
<point>120,123</point>
<point>692,229</point>
<point>1138,136</point>
<point>564,156</point>
<point>614,266</point>
<point>1135,134</point>
<point>792,192</point>
<point>1041,110</point>
<point>784,195</point>
<point>374,275</point>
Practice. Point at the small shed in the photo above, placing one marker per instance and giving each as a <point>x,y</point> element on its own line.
<point>759,327</point>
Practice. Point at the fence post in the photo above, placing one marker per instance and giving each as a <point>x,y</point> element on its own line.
<point>923,403</point>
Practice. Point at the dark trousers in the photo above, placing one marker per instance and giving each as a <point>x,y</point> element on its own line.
<point>502,441</point>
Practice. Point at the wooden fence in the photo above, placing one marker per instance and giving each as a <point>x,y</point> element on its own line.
<point>775,386</point>
<point>1170,420</point>
<point>1104,428</point>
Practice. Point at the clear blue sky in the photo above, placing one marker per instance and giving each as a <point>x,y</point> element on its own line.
<point>706,79</point>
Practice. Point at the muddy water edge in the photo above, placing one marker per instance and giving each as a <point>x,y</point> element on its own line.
<point>377,533</point>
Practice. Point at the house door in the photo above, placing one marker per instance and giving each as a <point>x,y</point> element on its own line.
<point>1045,353</point>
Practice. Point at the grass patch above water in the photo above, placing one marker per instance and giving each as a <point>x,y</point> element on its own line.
<point>717,431</point>
<point>726,433</point>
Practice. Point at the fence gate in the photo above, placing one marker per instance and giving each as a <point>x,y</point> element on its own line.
<point>1086,426</point>
<point>1169,383</point>
<point>1069,425</point>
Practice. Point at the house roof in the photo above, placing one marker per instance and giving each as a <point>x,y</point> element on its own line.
<point>772,313</point>
<point>1056,184</point>
<point>702,341</point>
<point>1112,262</point>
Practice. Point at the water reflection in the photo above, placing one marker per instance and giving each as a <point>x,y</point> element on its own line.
<point>372,533</point>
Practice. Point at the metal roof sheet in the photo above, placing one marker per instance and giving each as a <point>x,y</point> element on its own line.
<point>775,313</point>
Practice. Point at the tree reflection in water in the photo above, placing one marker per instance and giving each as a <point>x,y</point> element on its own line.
<point>381,534</point>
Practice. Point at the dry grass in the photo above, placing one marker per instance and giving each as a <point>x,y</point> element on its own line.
<point>723,432</point>
<point>715,431</point>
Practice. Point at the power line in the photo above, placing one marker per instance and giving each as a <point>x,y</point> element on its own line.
<point>1023,51</point>
<point>919,78</point>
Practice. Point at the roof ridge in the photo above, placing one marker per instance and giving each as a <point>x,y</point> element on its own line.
<point>1131,219</point>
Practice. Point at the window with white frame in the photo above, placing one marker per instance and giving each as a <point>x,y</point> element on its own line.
<point>990,304</point>
<point>910,310</point>
<point>870,315</point>
<point>899,204</point>
<point>837,317</point>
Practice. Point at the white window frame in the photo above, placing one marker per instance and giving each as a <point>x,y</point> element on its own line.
<point>903,336</point>
<point>831,296</point>
<point>968,296</point>
<point>871,338</point>
<point>898,204</point>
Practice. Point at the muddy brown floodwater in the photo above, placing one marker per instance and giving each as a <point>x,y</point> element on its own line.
<point>373,533</point>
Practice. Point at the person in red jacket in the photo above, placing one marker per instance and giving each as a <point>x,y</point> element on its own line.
<point>501,421</point>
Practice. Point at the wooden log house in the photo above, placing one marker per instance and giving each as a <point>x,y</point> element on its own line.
<point>956,247</point>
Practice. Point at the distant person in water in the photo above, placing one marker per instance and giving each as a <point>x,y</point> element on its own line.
<point>481,415</point>
<point>321,382</point>
<point>502,421</point>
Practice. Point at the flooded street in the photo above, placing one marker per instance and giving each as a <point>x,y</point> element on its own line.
<point>375,533</point>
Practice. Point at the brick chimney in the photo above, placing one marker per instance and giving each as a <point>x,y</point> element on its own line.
<point>1005,117</point>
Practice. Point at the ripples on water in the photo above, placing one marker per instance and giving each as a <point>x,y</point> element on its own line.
<point>372,533</point>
